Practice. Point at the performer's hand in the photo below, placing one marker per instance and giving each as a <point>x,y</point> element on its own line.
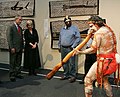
<point>80,52</point>
<point>76,52</point>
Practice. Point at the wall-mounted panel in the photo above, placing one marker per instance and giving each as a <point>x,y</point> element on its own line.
<point>13,7</point>
<point>73,8</point>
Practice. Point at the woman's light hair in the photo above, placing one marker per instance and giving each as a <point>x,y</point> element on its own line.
<point>29,23</point>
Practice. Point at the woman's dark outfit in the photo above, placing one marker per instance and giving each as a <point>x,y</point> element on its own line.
<point>31,55</point>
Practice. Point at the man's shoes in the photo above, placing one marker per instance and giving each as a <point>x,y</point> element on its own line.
<point>63,78</point>
<point>29,73</point>
<point>72,79</point>
<point>19,76</point>
<point>12,79</point>
<point>0,81</point>
<point>81,82</point>
<point>34,73</point>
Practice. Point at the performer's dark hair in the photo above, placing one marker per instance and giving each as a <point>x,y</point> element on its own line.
<point>97,20</point>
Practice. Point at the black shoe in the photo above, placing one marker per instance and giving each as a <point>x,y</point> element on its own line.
<point>81,82</point>
<point>0,81</point>
<point>29,73</point>
<point>19,76</point>
<point>72,79</point>
<point>63,78</point>
<point>12,79</point>
<point>34,73</point>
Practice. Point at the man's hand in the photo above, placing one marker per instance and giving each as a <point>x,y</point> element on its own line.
<point>71,48</point>
<point>12,50</point>
<point>23,50</point>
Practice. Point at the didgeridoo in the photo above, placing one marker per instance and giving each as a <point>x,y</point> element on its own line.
<point>68,56</point>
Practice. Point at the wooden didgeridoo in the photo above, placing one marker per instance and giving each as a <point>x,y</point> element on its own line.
<point>68,56</point>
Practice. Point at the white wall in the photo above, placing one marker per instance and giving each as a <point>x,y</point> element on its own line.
<point>108,9</point>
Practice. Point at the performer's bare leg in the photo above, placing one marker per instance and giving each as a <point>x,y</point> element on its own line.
<point>88,81</point>
<point>88,87</point>
<point>107,87</point>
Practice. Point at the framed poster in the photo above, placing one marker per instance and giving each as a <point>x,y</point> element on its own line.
<point>3,28</point>
<point>55,27</point>
<point>12,8</point>
<point>73,8</point>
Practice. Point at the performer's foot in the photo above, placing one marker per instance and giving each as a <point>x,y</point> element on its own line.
<point>88,95</point>
<point>72,79</point>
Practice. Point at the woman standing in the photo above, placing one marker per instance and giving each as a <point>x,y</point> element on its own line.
<point>31,53</point>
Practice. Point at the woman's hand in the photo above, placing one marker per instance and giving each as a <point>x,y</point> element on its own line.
<point>33,46</point>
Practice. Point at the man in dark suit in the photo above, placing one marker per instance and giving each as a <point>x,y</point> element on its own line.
<point>15,42</point>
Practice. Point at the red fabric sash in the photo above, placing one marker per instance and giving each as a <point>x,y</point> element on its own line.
<point>109,63</point>
<point>106,65</point>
